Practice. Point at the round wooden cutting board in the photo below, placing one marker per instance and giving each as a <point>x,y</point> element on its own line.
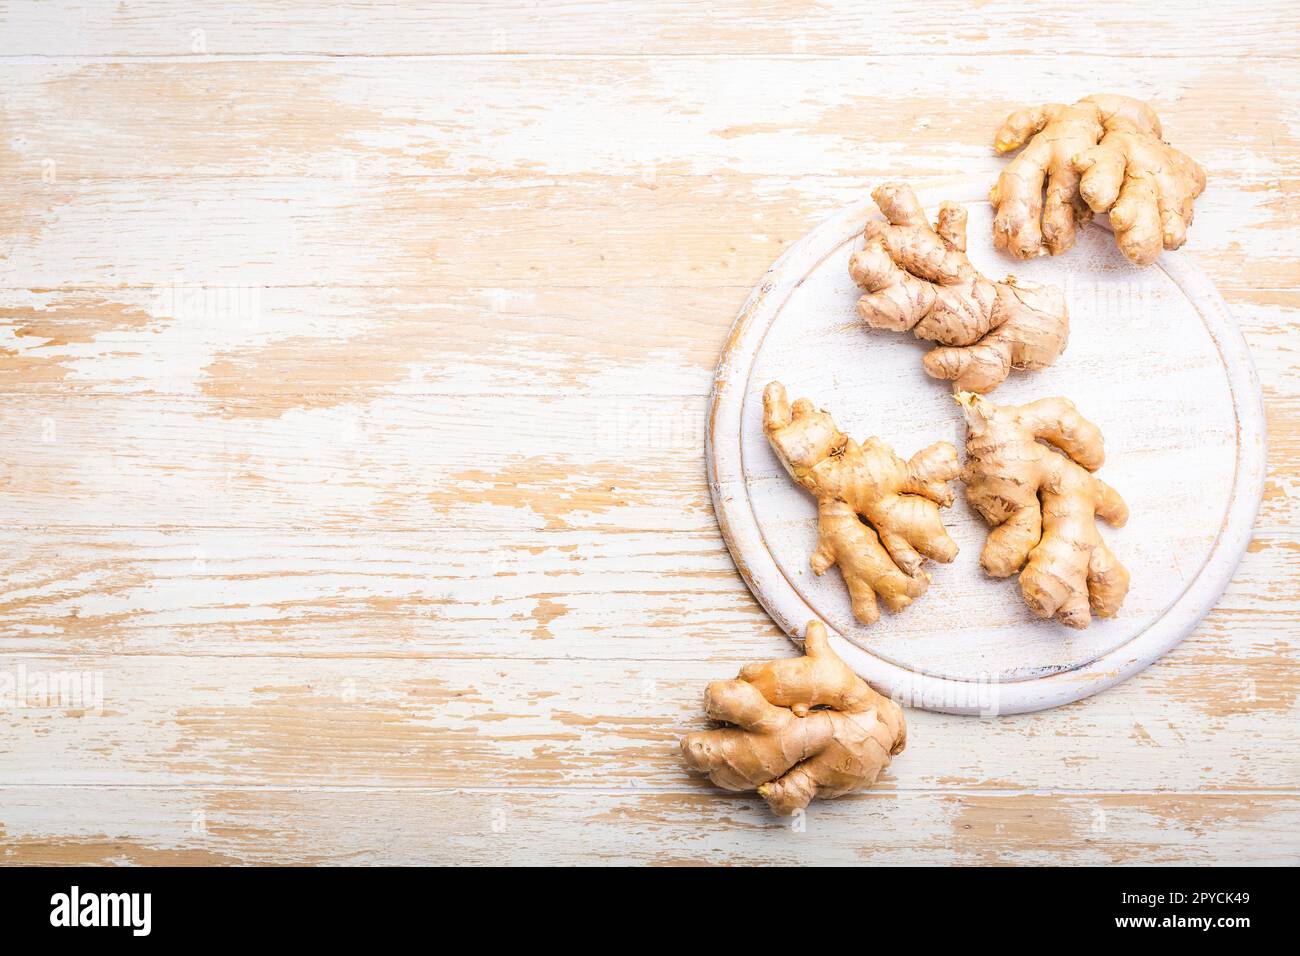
<point>1154,359</point>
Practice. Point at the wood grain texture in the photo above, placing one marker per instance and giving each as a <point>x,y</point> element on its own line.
<point>354,363</point>
<point>628,27</point>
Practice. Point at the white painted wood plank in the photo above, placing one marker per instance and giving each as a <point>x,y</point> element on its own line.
<point>1213,716</point>
<point>263,351</point>
<point>454,593</point>
<point>576,185</point>
<point>468,827</point>
<point>396,464</point>
<point>268,350</point>
<point>339,120</point>
<point>625,27</point>
<point>415,461</point>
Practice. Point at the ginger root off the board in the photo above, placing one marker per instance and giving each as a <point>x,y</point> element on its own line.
<point>918,277</point>
<point>804,727</point>
<point>1103,154</point>
<point>1044,505</point>
<point>899,498</point>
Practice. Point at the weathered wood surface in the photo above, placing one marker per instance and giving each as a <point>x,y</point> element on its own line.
<point>354,367</point>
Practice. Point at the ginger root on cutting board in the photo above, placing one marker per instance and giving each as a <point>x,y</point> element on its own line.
<point>918,277</point>
<point>1044,505</point>
<point>877,515</point>
<point>1102,154</point>
<point>804,727</point>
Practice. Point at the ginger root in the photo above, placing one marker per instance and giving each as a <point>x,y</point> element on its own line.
<point>804,727</point>
<point>1044,505</point>
<point>856,484</point>
<point>1103,154</point>
<point>918,277</point>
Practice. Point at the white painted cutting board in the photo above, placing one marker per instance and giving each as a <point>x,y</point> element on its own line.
<point>1153,358</point>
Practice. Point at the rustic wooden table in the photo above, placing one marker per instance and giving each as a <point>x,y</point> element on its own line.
<point>354,363</point>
